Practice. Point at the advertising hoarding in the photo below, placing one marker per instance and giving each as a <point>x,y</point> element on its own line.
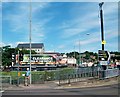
<point>38,59</point>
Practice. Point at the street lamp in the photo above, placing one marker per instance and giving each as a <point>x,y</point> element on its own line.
<point>80,60</point>
<point>30,21</point>
<point>18,68</point>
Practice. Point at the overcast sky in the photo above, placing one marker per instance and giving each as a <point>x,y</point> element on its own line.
<point>61,26</point>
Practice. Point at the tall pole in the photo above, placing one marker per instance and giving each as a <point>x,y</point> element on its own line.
<point>18,69</point>
<point>30,37</point>
<point>74,51</point>
<point>102,29</point>
<point>79,54</point>
<point>80,57</point>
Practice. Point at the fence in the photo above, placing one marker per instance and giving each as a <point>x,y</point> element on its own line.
<point>111,73</point>
<point>5,81</point>
<point>87,74</point>
<point>79,75</point>
<point>63,76</point>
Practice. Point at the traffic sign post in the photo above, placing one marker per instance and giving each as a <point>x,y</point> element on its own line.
<point>104,57</point>
<point>103,42</point>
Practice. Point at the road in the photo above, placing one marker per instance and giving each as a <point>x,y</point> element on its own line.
<point>103,90</point>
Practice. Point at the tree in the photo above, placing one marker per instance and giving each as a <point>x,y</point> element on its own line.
<point>24,51</point>
<point>7,54</point>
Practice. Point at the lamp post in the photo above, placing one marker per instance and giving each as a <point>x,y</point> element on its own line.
<point>80,59</point>
<point>80,62</point>
<point>30,21</point>
<point>18,68</point>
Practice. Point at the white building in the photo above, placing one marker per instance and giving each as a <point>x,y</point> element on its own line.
<point>37,47</point>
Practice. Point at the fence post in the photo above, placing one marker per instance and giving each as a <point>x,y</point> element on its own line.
<point>68,78</point>
<point>10,79</point>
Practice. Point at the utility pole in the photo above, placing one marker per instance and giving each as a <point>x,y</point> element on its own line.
<point>102,28</point>
<point>30,18</point>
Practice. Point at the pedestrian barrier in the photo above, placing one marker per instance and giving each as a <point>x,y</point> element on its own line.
<point>5,79</point>
<point>111,73</point>
<point>86,75</point>
<point>78,75</point>
<point>38,78</point>
<point>5,82</point>
<point>63,77</point>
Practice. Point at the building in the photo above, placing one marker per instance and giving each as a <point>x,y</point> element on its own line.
<point>70,62</point>
<point>37,47</point>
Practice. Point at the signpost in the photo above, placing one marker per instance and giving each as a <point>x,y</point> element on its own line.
<point>103,42</point>
<point>104,57</point>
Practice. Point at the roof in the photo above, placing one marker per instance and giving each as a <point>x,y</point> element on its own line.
<point>56,53</point>
<point>33,45</point>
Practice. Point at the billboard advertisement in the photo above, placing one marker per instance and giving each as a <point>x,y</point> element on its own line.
<point>38,59</point>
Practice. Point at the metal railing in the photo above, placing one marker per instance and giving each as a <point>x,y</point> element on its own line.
<point>86,75</point>
<point>5,82</point>
<point>64,77</point>
<point>77,77</point>
<point>111,73</point>
<point>5,79</point>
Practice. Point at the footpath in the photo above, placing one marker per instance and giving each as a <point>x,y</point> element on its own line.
<point>54,85</point>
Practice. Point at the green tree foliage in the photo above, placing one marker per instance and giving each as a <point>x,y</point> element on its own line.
<point>24,51</point>
<point>116,53</point>
<point>86,56</point>
<point>7,54</point>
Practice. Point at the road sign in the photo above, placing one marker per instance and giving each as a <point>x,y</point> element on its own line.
<point>103,42</point>
<point>103,63</point>
<point>103,55</point>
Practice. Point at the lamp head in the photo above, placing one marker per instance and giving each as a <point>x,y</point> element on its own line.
<point>100,4</point>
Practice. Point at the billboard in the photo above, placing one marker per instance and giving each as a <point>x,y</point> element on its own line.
<point>38,59</point>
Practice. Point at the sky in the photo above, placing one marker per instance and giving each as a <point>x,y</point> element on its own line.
<point>61,26</point>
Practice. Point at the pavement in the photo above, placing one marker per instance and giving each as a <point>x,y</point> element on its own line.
<point>53,85</point>
<point>92,83</point>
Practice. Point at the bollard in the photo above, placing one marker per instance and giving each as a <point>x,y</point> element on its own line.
<point>59,82</point>
<point>69,79</point>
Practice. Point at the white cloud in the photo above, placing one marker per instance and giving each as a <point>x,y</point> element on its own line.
<point>70,32</point>
<point>88,21</point>
<point>71,28</point>
<point>2,44</point>
<point>60,0</point>
<point>21,42</point>
<point>78,26</point>
<point>61,47</point>
<point>20,22</point>
<point>95,38</point>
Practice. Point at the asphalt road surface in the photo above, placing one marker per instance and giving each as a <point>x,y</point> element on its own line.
<point>103,90</point>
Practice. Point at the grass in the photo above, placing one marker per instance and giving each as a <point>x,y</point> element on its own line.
<point>47,74</point>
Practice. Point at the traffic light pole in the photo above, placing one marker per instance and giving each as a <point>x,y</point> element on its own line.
<point>102,28</point>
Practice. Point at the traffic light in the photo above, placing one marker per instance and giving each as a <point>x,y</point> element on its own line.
<point>21,57</point>
<point>13,57</point>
